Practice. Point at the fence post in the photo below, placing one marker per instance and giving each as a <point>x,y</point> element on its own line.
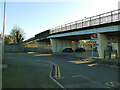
<point>61,29</point>
<point>118,14</point>
<point>82,23</point>
<point>99,19</point>
<point>111,16</point>
<point>76,24</point>
<point>90,22</point>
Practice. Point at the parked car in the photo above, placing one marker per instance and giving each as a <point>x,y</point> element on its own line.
<point>67,50</point>
<point>80,50</point>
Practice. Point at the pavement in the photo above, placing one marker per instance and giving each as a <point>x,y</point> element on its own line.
<point>115,62</point>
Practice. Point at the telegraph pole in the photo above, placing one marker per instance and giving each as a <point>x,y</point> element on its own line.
<point>3,30</point>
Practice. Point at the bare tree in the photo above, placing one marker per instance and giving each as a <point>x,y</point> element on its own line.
<point>17,35</point>
<point>8,39</point>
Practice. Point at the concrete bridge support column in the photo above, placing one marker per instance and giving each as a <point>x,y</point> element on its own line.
<point>102,41</point>
<point>45,44</point>
<point>59,44</point>
<point>38,44</point>
<point>117,46</point>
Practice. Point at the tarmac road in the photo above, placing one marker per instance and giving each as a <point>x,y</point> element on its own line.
<point>78,73</point>
<point>25,71</point>
<point>75,73</point>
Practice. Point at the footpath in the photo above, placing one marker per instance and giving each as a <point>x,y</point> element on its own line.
<point>112,62</point>
<point>115,62</point>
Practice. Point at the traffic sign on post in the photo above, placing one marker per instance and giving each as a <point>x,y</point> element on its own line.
<point>93,36</point>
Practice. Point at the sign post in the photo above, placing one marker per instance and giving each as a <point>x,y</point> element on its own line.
<point>93,36</point>
<point>92,47</point>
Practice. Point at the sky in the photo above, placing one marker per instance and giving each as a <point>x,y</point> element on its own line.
<point>35,16</point>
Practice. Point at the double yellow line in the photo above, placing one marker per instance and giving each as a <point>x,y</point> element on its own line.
<point>57,71</point>
<point>112,84</point>
<point>56,74</point>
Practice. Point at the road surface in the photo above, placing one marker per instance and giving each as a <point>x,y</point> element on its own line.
<point>77,73</point>
<point>74,72</point>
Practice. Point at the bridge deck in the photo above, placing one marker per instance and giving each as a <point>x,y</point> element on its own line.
<point>105,18</point>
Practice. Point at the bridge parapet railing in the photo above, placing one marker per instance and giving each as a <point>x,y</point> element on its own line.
<point>108,17</point>
<point>79,23</point>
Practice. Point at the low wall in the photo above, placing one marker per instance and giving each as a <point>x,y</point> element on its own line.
<point>13,48</point>
<point>20,49</point>
<point>36,49</point>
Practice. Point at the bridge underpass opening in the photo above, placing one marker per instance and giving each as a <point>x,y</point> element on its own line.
<point>58,44</point>
<point>75,42</point>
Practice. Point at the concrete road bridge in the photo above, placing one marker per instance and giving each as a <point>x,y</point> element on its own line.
<point>106,26</point>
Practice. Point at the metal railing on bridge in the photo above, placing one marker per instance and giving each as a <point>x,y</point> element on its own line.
<point>104,18</point>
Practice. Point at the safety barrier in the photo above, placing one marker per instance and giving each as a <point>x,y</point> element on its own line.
<point>104,18</point>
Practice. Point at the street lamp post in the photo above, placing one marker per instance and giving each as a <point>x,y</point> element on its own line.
<point>3,30</point>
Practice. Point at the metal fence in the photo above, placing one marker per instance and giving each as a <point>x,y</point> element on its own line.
<point>104,18</point>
